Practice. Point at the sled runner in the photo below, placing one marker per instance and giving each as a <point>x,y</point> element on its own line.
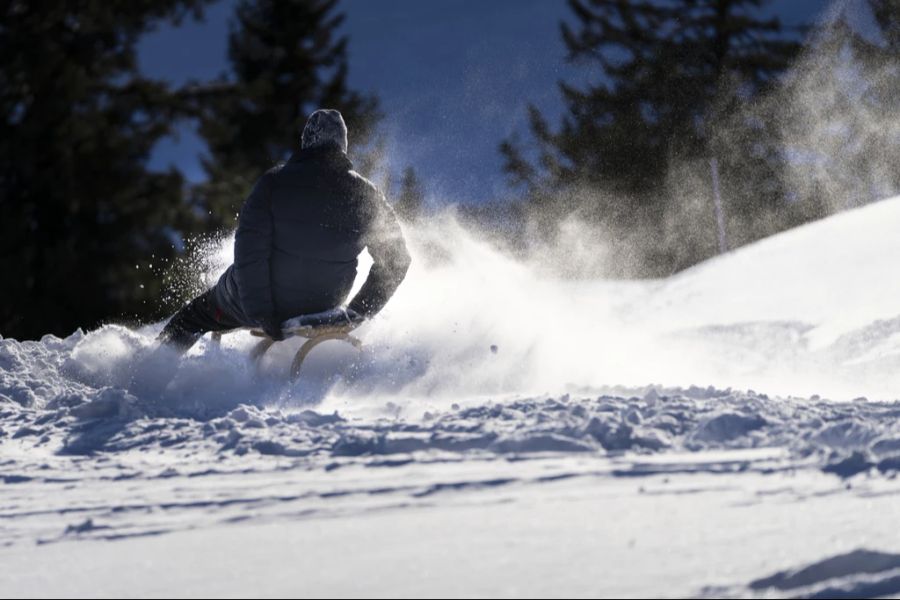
<point>334,324</point>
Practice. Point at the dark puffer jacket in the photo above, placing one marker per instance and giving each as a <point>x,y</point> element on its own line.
<point>298,238</point>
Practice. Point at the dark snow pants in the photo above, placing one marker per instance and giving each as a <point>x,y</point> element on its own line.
<point>200,315</point>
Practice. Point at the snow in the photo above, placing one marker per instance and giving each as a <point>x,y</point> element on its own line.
<point>729,431</point>
<point>473,529</point>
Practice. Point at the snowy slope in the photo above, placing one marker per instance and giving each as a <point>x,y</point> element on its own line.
<point>812,310</point>
<point>840,273</point>
<point>502,434</point>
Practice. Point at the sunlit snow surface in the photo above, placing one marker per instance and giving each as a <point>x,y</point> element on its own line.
<point>729,431</point>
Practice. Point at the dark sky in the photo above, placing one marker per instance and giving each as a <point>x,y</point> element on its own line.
<point>453,77</point>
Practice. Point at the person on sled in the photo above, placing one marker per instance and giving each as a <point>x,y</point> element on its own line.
<point>299,235</point>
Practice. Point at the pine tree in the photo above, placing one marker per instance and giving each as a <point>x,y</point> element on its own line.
<point>882,59</point>
<point>411,199</point>
<point>79,211</point>
<point>839,112</point>
<point>675,75</point>
<point>286,61</point>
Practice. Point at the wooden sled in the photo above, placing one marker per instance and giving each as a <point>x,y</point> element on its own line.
<point>336,324</point>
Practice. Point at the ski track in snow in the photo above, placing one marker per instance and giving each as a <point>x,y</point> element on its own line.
<point>102,439</point>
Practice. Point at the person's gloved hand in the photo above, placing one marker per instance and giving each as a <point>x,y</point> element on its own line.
<point>272,328</point>
<point>353,316</point>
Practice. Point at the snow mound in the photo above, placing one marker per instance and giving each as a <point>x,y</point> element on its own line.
<point>837,274</point>
<point>840,438</point>
<point>812,310</point>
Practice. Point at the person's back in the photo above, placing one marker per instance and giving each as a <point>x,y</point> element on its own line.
<point>298,240</point>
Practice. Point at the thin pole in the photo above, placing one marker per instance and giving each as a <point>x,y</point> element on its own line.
<point>717,199</point>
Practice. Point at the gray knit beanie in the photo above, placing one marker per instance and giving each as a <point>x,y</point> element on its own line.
<point>323,126</point>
